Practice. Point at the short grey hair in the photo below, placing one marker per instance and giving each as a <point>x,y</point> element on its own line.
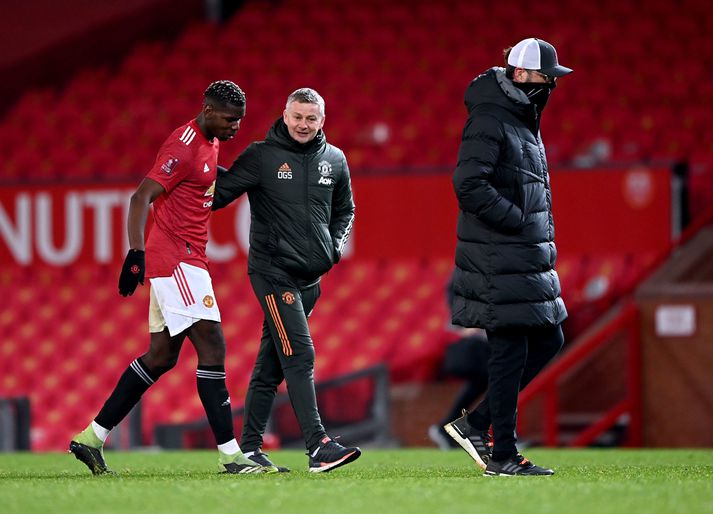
<point>306,95</point>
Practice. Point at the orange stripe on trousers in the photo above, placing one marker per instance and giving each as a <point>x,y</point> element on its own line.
<point>286,347</point>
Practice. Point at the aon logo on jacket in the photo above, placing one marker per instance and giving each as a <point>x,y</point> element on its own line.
<point>325,171</point>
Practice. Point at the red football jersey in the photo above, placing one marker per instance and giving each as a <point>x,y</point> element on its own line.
<point>186,166</point>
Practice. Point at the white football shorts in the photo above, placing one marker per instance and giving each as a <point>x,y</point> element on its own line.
<point>178,301</point>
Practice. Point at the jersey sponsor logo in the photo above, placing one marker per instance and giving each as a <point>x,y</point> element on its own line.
<point>288,297</point>
<point>188,135</point>
<point>284,172</point>
<point>168,166</point>
<point>206,169</point>
<point>208,301</point>
<point>209,192</point>
<point>325,170</point>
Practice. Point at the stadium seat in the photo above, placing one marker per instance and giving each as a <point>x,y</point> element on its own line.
<point>363,319</point>
<point>393,85</point>
<point>386,47</point>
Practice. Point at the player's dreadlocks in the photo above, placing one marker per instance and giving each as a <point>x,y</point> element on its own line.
<point>225,92</point>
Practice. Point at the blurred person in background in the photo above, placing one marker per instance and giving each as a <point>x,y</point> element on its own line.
<point>302,212</point>
<point>465,358</point>
<point>505,281</point>
<point>180,184</point>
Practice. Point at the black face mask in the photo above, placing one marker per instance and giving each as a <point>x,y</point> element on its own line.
<point>537,92</point>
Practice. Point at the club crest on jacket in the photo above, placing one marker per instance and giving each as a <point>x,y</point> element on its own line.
<point>325,170</point>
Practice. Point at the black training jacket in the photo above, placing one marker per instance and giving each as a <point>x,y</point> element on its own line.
<point>300,202</point>
<point>505,254</point>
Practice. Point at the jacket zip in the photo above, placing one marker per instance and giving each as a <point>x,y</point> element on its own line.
<point>305,161</point>
<point>548,197</point>
<point>548,201</point>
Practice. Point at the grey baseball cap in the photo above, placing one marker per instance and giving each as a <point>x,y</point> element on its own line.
<point>537,54</point>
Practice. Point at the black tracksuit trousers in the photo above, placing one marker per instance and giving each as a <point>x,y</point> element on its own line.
<point>517,355</point>
<point>286,353</point>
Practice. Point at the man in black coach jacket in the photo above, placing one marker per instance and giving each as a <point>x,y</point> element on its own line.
<point>301,215</point>
<point>505,280</point>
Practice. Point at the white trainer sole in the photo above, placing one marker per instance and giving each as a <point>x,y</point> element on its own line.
<point>465,443</point>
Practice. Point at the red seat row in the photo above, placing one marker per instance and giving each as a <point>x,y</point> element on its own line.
<point>393,76</point>
<point>67,355</point>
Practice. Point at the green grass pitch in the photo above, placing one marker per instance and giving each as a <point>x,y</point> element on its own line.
<point>380,482</point>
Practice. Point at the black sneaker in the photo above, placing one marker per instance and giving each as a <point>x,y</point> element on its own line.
<point>516,465</point>
<point>92,457</point>
<point>479,445</point>
<point>261,458</point>
<point>330,454</point>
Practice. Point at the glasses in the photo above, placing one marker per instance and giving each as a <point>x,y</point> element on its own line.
<point>546,78</point>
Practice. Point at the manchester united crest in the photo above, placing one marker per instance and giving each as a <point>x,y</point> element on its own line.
<point>324,168</point>
<point>208,301</point>
<point>288,298</point>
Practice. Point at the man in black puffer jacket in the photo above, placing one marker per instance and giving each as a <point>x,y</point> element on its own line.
<point>301,215</point>
<point>505,280</point>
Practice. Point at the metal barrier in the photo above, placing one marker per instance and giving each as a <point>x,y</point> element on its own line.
<point>127,434</point>
<point>546,385</point>
<point>14,424</point>
<point>373,428</point>
<point>624,323</point>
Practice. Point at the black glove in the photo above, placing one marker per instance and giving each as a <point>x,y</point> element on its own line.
<point>132,272</point>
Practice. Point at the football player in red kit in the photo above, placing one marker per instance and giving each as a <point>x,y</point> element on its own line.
<point>180,185</point>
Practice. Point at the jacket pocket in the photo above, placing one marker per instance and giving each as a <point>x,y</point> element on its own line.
<point>323,251</point>
<point>286,255</point>
<point>521,197</point>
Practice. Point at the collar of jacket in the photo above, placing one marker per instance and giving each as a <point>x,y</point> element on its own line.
<point>279,135</point>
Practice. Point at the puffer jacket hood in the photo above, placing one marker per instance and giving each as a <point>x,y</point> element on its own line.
<point>494,88</point>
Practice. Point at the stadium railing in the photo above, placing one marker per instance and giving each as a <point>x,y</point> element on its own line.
<point>547,385</point>
<point>127,435</point>
<point>620,324</point>
<point>358,417</point>
<point>14,424</point>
